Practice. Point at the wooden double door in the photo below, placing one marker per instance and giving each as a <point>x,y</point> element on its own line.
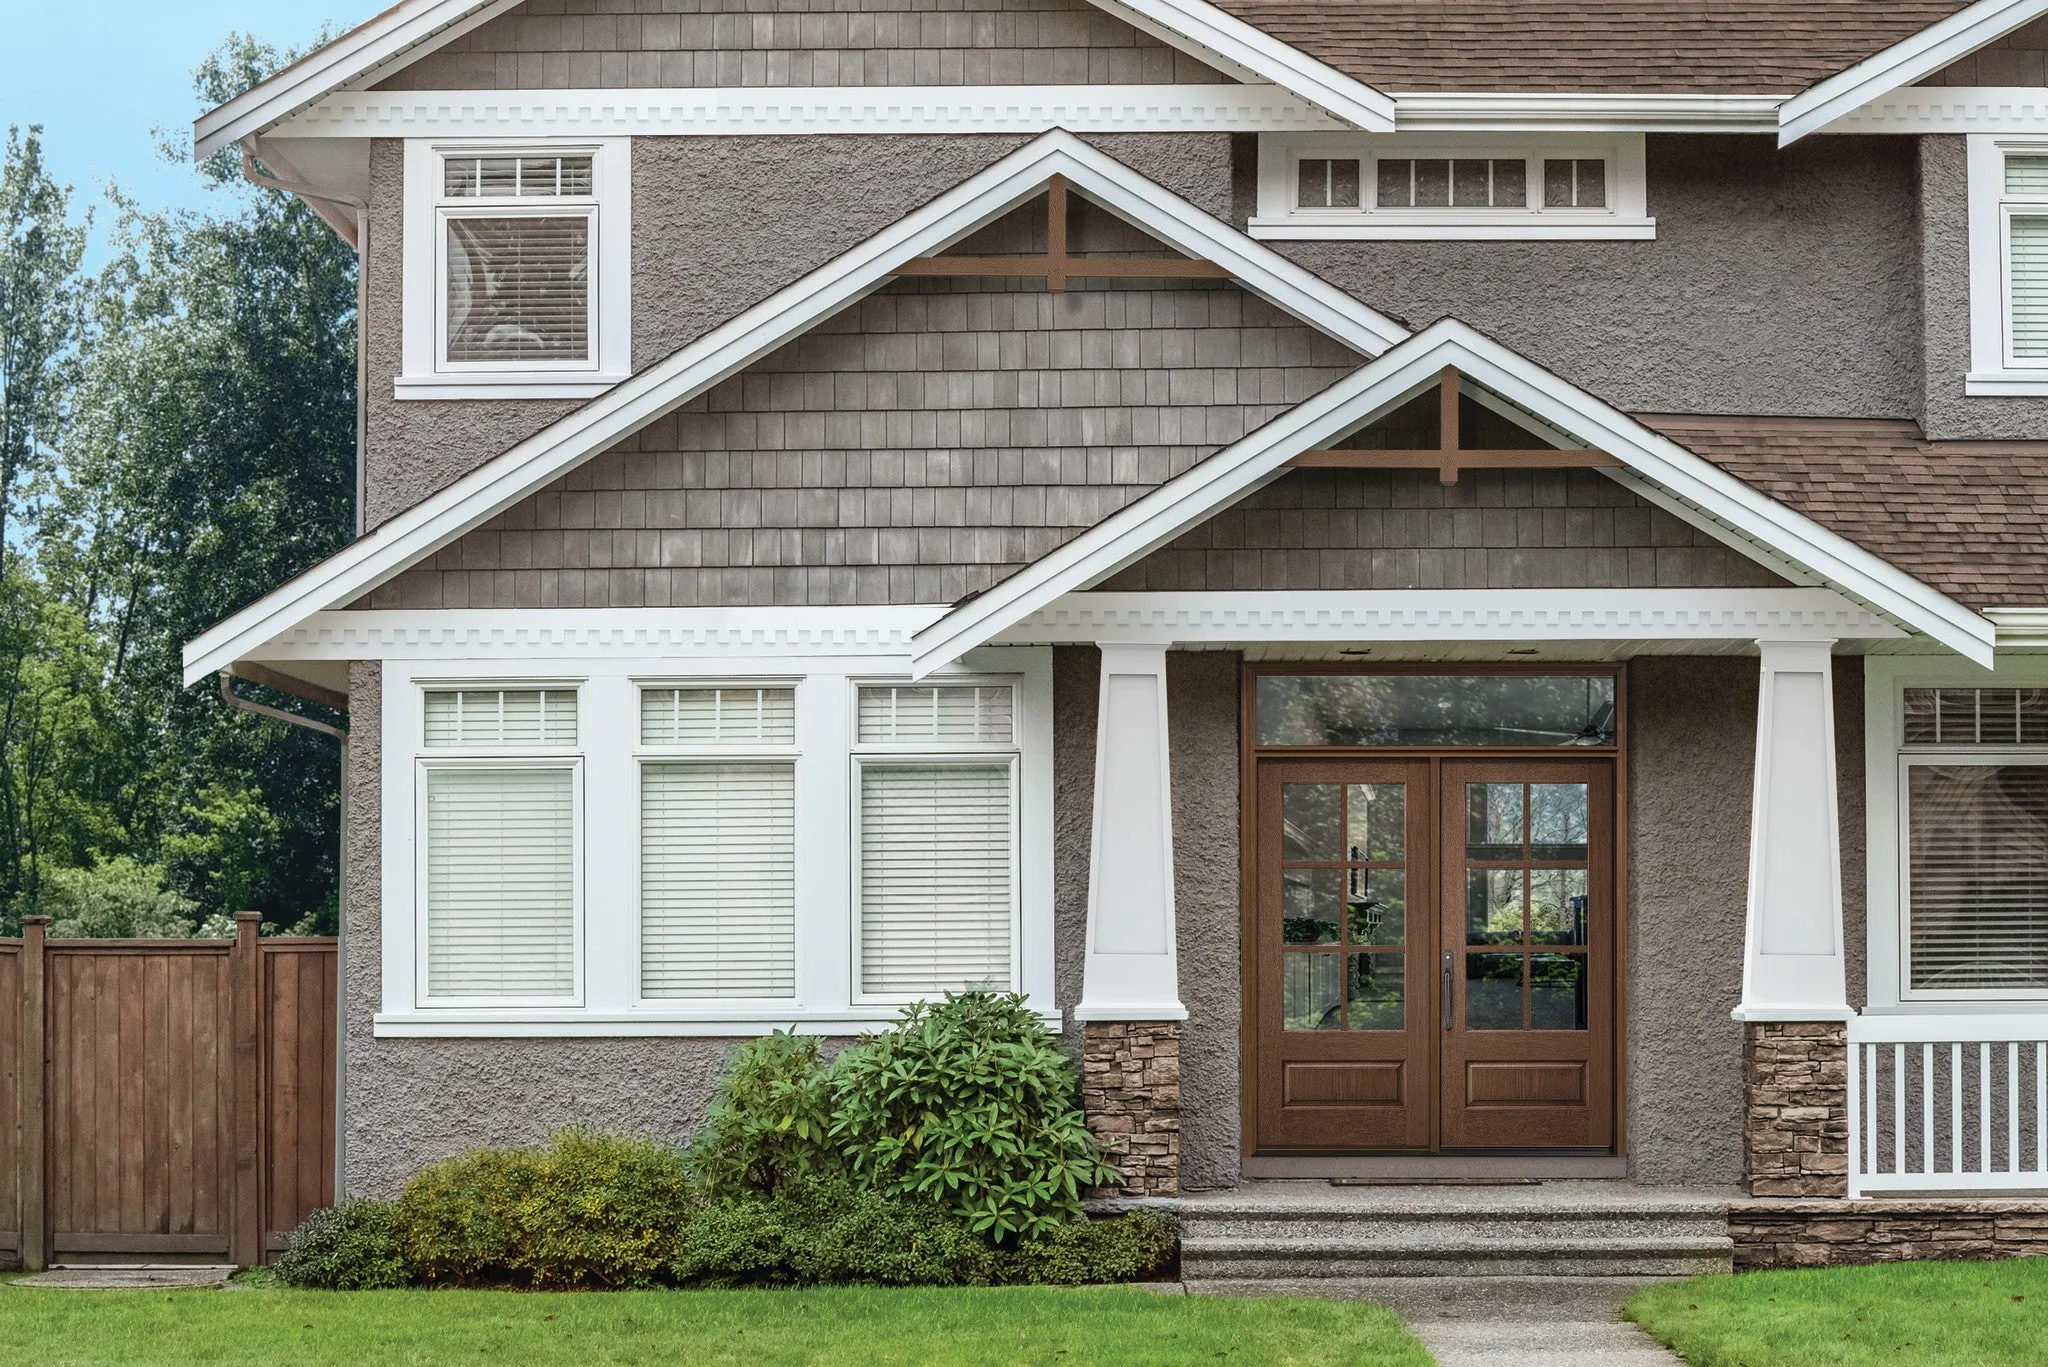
<point>1434,959</point>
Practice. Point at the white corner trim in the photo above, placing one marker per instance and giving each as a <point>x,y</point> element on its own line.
<point>736,343</point>
<point>1403,371</point>
<point>1215,618</point>
<point>709,634</point>
<point>1903,63</point>
<point>803,111</point>
<point>1565,111</point>
<point>1950,109</point>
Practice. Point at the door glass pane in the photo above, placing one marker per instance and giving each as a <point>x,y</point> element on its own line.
<point>1557,906</point>
<point>1557,992</point>
<point>1436,709</point>
<point>1493,821</point>
<point>1493,991</point>
<point>1493,906</point>
<point>1557,821</point>
<point>1310,821</point>
<point>1312,991</point>
<point>1312,909</point>
<point>1379,821</point>
<point>1376,991</point>
<point>1377,906</point>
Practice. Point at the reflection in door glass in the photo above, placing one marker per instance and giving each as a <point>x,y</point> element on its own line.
<point>1436,709</point>
<point>1311,912</point>
<point>1557,821</point>
<point>1312,992</point>
<point>1493,821</point>
<point>1557,992</point>
<point>1309,820</point>
<point>1377,906</point>
<point>1379,821</point>
<point>1493,991</point>
<point>1493,906</point>
<point>1377,998</point>
<point>1557,906</point>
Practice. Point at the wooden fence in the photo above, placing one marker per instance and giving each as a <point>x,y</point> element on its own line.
<point>184,1109</point>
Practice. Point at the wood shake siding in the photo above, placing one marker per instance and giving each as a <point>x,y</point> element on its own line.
<point>2019,58</point>
<point>1402,529</point>
<point>590,44</point>
<point>922,445</point>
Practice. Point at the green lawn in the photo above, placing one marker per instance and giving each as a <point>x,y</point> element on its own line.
<point>1952,1314</point>
<point>873,1328</point>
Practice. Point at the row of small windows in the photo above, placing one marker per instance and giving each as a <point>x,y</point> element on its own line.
<point>1451,183</point>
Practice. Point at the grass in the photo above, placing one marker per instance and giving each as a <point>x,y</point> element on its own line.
<point>1009,1327</point>
<point>1953,1314</point>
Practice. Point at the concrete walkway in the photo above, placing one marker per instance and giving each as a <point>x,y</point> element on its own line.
<point>1517,1322</point>
<point>127,1278</point>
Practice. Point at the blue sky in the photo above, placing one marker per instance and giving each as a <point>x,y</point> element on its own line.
<point>100,74</point>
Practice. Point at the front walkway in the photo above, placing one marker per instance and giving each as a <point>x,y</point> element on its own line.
<point>1518,1322</point>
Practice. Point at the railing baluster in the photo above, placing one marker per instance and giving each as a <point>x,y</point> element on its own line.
<point>1926,1108</point>
<point>1899,1109</point>
<point>1984,1108</point>
<point>1955,1111</point>
<point>1870,1106</point>
<point>1857,1132</point>
<point>2012,1107</point>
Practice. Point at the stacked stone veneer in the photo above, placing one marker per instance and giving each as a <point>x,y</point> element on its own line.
<point>1772,1234</point>
<point>1796,1108</point>
<point>1130,1091</point>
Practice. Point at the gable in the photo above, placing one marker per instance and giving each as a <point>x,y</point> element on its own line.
<point>2019,58</point>
<point>602,44</point>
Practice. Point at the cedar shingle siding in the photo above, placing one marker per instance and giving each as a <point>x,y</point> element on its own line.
<point>596,44</point>
<point>2019,58</point>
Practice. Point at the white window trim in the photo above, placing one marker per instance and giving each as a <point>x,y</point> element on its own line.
<point>1625,217</point>
<point>1886,756</point>
<point>423,374</point>
<point>609,755</point>
<point>1993,369</point>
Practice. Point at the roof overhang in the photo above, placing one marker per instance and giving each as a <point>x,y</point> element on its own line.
<point>532,464</point>
<point>1392,378</point>
<point>1903,63</point>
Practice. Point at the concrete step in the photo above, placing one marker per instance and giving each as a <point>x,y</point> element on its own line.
<point>1204,1259</point>
<point>1397,1225</point>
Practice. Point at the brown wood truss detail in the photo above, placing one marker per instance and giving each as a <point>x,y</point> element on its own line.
<point>1448,458</point>
<point>1058,266</point>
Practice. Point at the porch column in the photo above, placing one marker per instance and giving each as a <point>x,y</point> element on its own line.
<point>1794,988</point>
<point>1130,1005</point>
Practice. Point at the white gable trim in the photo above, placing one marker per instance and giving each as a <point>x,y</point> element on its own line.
<point>1903,63</point>
<point>1406,370</point>
<point>532,464</point>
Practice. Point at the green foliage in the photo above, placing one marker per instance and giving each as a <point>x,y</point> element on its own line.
<point>829,1233</point>
<point>350,1247</point>
<point>589,1209</point>
<point>970,1103</point>
<point>115,898</point>
<point>771,1121</point>
<point>1132,1247</point>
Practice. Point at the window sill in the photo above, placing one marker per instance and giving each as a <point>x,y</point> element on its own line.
<point>570,385</point>
<point>459,1024</point>
<point>1455,229</point>
<point>2018,384</point>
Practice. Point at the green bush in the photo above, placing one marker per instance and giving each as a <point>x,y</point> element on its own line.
<point>769,1124</point>
<point>591,1208</point>
<point>350,1247</point>
<point>115,899</point>
<point>970,1103</point>
<point>1132,1247</point>
<point>829,1233</point>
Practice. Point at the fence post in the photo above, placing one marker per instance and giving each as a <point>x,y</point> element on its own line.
<point>35,1216</point>
<point>245,980</point>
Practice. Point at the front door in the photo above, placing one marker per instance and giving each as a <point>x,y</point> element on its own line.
<point>1434,955</point>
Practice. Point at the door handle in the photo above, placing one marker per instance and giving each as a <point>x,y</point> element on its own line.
<point>1448,987</point>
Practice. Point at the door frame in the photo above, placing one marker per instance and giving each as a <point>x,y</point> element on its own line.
<point>1249,753</point>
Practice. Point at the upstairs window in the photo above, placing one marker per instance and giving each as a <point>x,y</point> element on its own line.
<point>2023,211</point>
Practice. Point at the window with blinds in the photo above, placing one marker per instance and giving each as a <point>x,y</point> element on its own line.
<point>937,716</point>
<point>718,716</point>
<point>518,272</point>
<point>2026,249</point>
<point>501,717</point>
<point>717,879</point>
<point>1977,879</point>
<point>1976,716</point>
<point>501,882</point>
<point>937,877</point>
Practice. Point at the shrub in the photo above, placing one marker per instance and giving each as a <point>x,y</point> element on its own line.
<point>970,1103</point>
<point>769,1124</point>
<point>350,1247</point>
<point>1132,1247</point>
<point>830,1233</point>
<point>591,1208</point>
<point>115,899</point>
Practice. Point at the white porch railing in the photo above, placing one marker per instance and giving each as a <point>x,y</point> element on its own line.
<point>1948,1103</point>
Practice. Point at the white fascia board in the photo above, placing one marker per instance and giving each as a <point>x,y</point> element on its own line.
<point>1406,369</point>
<point>804,111</point>
<point>365,49</point>
<point>1917,109</point>
<point>1245,49</point>
<point>1923,54</point>
<point>1460,111</point>
<point>2021,628</point>
<point>483,493</point>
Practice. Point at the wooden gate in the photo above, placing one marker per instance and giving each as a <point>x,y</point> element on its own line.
<point>185,1107</point>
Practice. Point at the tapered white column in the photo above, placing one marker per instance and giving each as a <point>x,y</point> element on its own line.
<point>1792,966</point>
<point>1130,972</point>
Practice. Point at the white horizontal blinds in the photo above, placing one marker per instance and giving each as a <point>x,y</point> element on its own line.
<point>718,716</point>
<point>717,879</point>
<point>501,716</point>
<point>1978,877</point>
<point>501,875</point>
<point>519,288</point>
<point>944,715</point>
<point>2026,187</point>
<point>936,877</point>
<point>1977,716</point>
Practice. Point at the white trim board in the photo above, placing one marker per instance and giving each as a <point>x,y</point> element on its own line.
<point>1903,63</point>
<point>1407,369</point>
<point>532,464</point>
<point>1571,111</point>
<point>1951,109</point>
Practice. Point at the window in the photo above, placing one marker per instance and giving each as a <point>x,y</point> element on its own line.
<point>1412,186</point>
<point>718,843</point>
<point>517,269</point>
<point>2008,265</point>
<point>2025,213</point>
<point>936,810</point>
<point>500,872</point>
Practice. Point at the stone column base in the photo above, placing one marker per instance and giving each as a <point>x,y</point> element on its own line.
<point>1130,1092</point>
<point>1795,1127</point>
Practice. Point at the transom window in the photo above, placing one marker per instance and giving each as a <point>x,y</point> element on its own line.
<point>1436,709</point>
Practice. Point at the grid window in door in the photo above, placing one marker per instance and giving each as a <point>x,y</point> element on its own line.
<point>937,876</point>
<point>1526,895</point>
<point>1344,902</point>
